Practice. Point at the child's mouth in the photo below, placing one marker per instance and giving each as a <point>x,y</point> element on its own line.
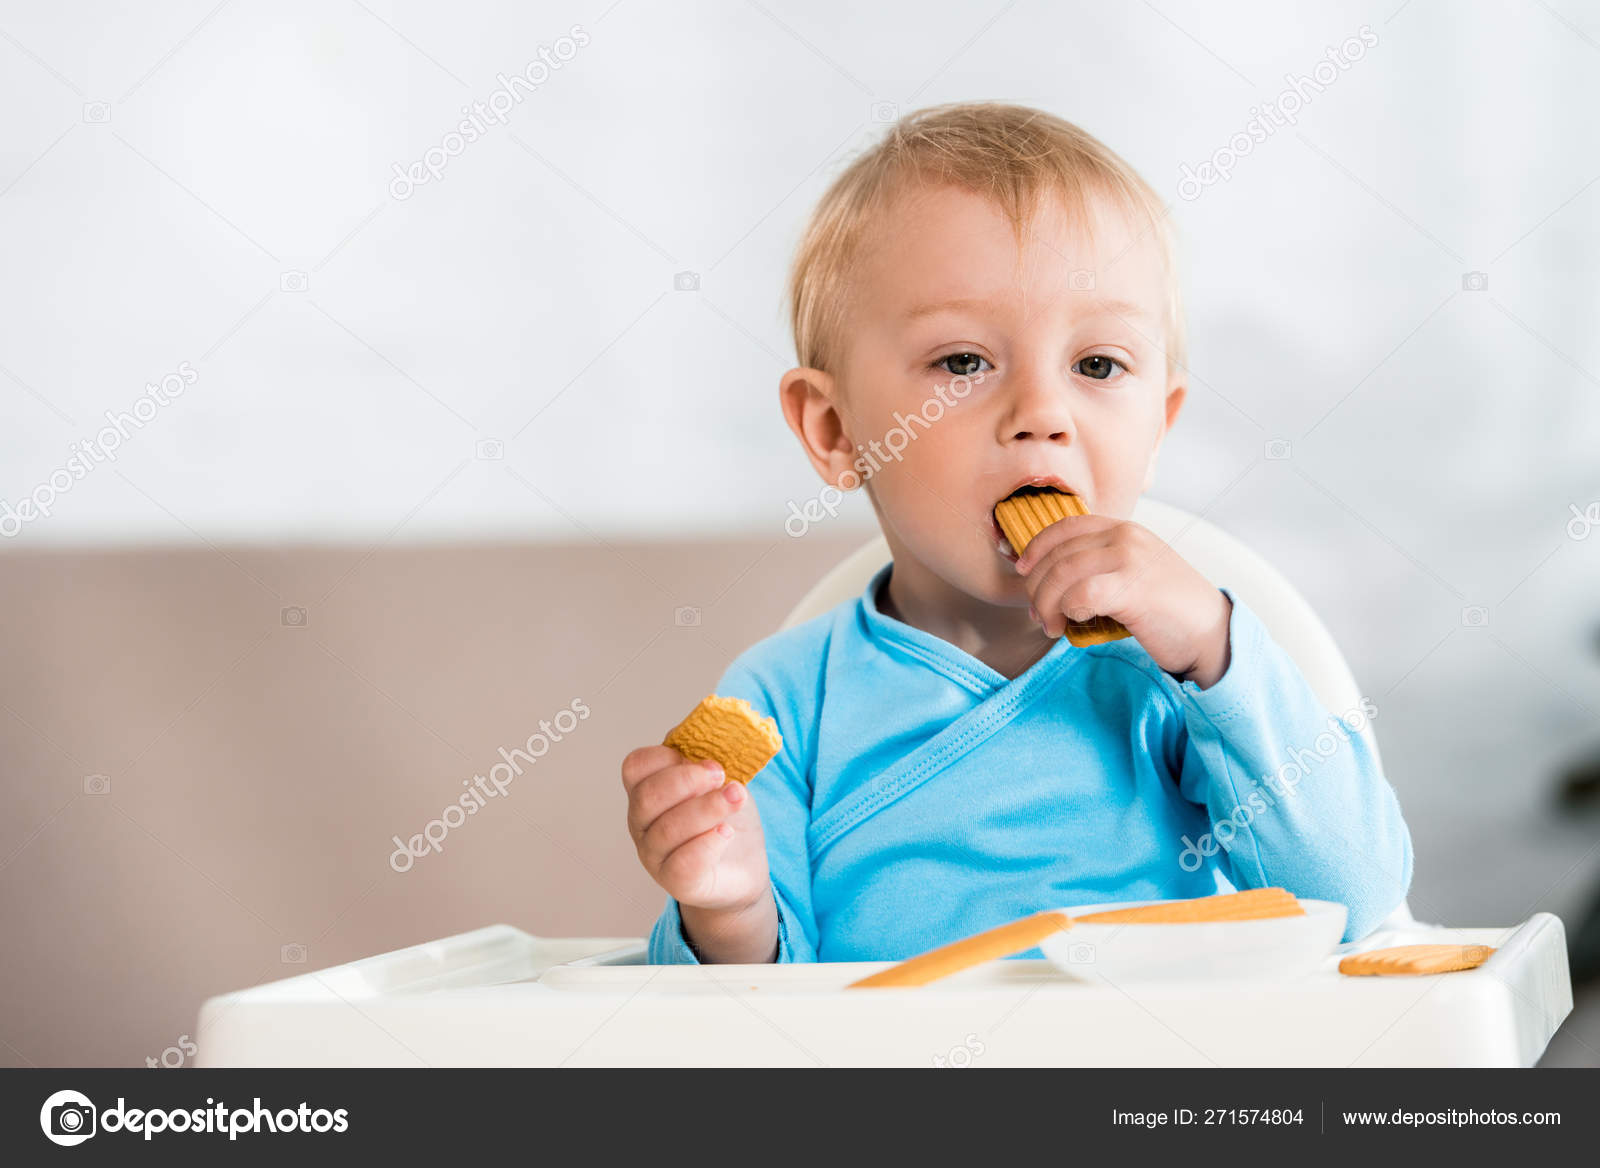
<point>1002,543</point>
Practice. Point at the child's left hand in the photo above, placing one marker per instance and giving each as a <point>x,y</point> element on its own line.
<point>1093,565</point>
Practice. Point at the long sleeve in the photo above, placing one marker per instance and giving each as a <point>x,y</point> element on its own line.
<point>1293,793</point>
<point>783,797</point>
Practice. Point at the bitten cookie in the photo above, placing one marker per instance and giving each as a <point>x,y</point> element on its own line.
<point>728,731</point>
<point>1025,514</point>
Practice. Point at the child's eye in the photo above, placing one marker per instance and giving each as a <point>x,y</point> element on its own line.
<point>1099,367</point>
<point>960,364</point>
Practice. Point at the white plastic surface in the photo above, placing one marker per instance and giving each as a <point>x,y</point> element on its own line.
<point>500,997</point>
<point>1273,948</point>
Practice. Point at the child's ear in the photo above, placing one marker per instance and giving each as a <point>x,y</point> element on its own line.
<point>1176,393</point>
<point>811,407</point>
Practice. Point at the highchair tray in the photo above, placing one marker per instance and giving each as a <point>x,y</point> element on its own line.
<point>501,997</point>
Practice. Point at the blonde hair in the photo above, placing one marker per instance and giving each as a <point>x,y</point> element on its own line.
<point>1010,154</point>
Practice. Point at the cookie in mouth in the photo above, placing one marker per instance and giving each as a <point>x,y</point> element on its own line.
<point>1027,511</point>
<point>1021,516</point>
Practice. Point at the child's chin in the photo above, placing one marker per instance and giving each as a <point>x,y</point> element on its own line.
<point>1003,586</point>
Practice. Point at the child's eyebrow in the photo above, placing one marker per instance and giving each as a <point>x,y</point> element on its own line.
<point>1105,306</point>
<point>1120,308</point>
<point>921,310</point>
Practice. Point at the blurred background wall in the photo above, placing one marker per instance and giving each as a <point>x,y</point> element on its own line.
<point>447,434</point>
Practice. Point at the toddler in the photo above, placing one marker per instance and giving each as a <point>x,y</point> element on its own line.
<point>988,300</point>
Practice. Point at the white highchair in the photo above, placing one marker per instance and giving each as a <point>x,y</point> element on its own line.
<point>499,996</point>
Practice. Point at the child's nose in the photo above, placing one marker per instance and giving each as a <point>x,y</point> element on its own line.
<point>1038,411</point>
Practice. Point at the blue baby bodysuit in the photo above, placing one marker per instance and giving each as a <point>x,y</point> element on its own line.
<point>921,796</point>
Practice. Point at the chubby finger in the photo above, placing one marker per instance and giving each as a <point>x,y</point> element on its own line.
<point>640,764</point>
<point>681,823</point>
<point>1064,533</point>
<point>658,793</point>
<point>691,866</point>
<point>1071,586</point>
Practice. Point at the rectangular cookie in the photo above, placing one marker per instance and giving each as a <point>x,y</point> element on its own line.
<point>1025,514</point>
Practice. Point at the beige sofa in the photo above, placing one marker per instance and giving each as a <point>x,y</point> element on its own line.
<point>205,754</point>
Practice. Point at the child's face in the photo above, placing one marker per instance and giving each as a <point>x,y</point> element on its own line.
<point>1074,390</point>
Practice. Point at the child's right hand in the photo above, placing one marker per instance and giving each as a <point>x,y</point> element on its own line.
<point>700,839</point>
